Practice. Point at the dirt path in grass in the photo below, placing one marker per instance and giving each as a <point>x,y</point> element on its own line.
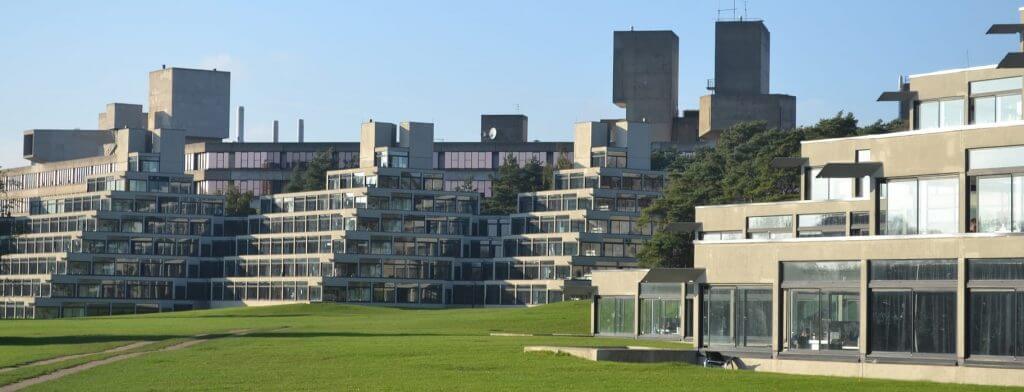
<point>126,347</point>
<point>89,365</point>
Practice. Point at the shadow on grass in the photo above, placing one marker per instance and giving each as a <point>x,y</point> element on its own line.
<point>300,335</point>
<point>79,339</point>
<point>182,315</point>
<point>87,339</point>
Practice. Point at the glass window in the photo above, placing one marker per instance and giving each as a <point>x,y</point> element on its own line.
<point>995,157</point>
<point>824,320</point>
<point>951,112</point>
<point>913,269</point>
<point>996,322</point>
<point>938,205</point>
<point>1008,108</point>
<point>996,269</point>
<point>996,85</point>
<point>997,204</point>
<point>913,321</point>
<point>737,316</point>
<point>660,316</point>
<point>900,207</point>
<point>919,206</point>
<point>615,315</point>
<point>984,110</point>
<point>818,271</point>
<point>827,188</point>
<point>928,115</point>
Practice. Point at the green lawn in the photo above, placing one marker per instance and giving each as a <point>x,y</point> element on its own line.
<point>340,347</point>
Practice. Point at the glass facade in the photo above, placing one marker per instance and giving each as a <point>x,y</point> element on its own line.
<point>822,305</point>
<point>615,315</point>
<point>913,306</point>
<point>737,316</point>
<point>919,206</point>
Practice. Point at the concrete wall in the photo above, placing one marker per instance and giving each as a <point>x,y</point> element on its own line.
<point>197,101</point>
<point>419,139</point>
<point>122,115</point>
<point>511,128</point>
<point>372,135</point>
<point>54,145</point>
<point>170,144</point>
<point>587,135</point>
<point>719,112</point>
<point>742,57</point>
<point>645,78</point>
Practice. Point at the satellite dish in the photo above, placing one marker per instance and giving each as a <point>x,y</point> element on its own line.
<point>493,133</point>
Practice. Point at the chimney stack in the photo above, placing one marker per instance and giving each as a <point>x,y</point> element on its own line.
<point>241,124</point>
<point>275,131</point>
<point>301,131</point>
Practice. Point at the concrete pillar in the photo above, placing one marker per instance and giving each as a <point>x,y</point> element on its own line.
<point>301,131</point>
<point>275,131</point>
<point>241,124</point>
<point>961,309</point>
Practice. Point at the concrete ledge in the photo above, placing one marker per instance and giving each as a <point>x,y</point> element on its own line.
<point>621,354</point>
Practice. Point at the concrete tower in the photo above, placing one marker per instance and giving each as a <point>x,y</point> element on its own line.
<point>645,79</point>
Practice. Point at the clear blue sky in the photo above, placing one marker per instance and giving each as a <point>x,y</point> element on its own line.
<point>336,64</point>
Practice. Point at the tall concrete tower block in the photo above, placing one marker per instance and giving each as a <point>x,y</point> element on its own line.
<point>742,57</point>
<point>645,79</point>
<point>194,100</point>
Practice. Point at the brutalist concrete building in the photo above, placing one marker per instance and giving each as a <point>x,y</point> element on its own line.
<point>903,258</point>
<point>130,218</point>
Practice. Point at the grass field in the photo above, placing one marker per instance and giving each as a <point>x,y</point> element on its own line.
<point>338,347</point>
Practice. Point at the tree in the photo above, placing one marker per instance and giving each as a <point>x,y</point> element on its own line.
<point>313,175</point>
<point>736,170</point>
<point>238,203</point>
<point>510,181</point>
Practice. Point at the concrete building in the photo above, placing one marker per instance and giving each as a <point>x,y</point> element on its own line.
<point>902,259</point>
<point>122,231</point>
<point>740,88</point>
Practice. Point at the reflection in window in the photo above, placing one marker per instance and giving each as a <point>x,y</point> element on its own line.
<point>996,100</point>
<point>997,204</point>
<point>823,306</point>
<point>615,315</point>
<point>940,113</point>
<point>827,188</point>
<point>737,317</point>
<point>919,206</point>
<point>913,306</point>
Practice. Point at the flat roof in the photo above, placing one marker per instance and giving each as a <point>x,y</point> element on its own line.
<point>920,132</point>
<point>953,70</point>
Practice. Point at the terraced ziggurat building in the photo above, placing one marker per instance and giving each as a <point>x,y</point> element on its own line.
<point>129,218</point>
<point>131,236</point>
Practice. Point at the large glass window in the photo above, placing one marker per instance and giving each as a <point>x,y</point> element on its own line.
<point>737,316</point>
<point>770,227</point>
<point>996,100</point>
<point>821,225</point>
<point>940,113</point>
<point>822,305</point>
<point>615,315</point>
<point>827,188</point>
<point>919,206</point>
<point>913,306</point>
<point>660,316</point>
<point>995,307</point>
<point>824,320</point>
<point>997,204</point>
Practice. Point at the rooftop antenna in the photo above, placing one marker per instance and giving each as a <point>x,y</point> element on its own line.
<point>725,10</point>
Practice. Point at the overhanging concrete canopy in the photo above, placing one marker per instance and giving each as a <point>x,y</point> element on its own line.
<point>849,170</point>
<point>673,275</point>
<point>897,96</point>
<point>1012,60</point>
<point>1006,28</point>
